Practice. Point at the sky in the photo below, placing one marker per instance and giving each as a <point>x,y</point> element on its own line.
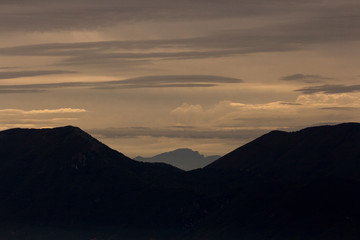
<point>145,77</point>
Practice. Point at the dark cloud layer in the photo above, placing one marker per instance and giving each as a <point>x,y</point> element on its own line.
<point>211,46</point>
<point>291,103</point>
<point>10,91</point>
<point>307,78</point>
<point>20,74</point>
<point>313,23</point>
<point>330,89</point>
<point>139,82</point>
<point>181,79</point>
<point>7,68</point>
<point>91,14</point>
<point>339,108</point>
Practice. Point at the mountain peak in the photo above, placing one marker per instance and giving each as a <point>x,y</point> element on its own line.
<point>52,131</point>
<point>69,128</point>
<point>67,147</point>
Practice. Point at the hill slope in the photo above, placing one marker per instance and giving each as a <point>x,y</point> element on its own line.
<point>303,185</point>
<point>327,150</point>
<point>64,177</point>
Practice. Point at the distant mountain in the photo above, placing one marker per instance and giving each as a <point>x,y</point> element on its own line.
<point>62,183</point>
<point>183,158</point>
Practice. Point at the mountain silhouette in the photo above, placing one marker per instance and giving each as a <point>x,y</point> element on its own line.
<point>324,150</point>
<point>183,158</point>
<point>64,177</point>
<point>293,185</point>
<point>62,183</point>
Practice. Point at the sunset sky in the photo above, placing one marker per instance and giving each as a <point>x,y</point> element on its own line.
<point>146,77</point>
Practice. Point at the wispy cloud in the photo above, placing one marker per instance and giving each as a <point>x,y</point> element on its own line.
<point>307,78</point>
<point>20,74</point>
<point>17,90</point>
<point>220,44</point>
<point>35,121</point>
<point>329,89</point>
<point>175,132</point>
<point>6,68</point>
<point>313,23</point>
<point>163,81</point>
<point>270,115</point>
<point>41,111</point>
<point>340,108</point>
<point>79,14</point>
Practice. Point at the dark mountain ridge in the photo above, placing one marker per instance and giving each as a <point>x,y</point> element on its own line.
<point>328,150</point>
<point>67,148</point>
<point>303,184</point>
<point>65,177</point>
<point>63,184</point>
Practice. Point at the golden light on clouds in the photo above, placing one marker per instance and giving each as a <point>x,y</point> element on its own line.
<point>173,73</point>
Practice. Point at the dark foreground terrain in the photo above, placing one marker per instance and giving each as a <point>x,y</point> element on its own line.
<point>63,184</point>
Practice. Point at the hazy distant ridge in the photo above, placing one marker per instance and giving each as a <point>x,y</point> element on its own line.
<point>183,158</point>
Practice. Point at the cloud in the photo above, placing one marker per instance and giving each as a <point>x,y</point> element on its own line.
<point>291,103</point>
<point>41,111</point>
<point>6,68</point>
<point>330,89</point>
<point>20,74</point>
<point>187,108</point>
<point>25,122</point>
<point>162,81</point>
<point>311,23</point>
<point>169,81</point>
<point>258,26</point>
<point>6,90</point>
<point>339,108</point>
<point>38,118</point>
<point>228,114</point>
<point>180,79</point>
<point>36,122</point>
<point>175,132</point>
<point>239,120</point>
<point>186,114</point>
<point>270,115</point>
<point>40,15</point>
<point>130,53</point>
<point>321,100</point>
<point>307,78</point>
